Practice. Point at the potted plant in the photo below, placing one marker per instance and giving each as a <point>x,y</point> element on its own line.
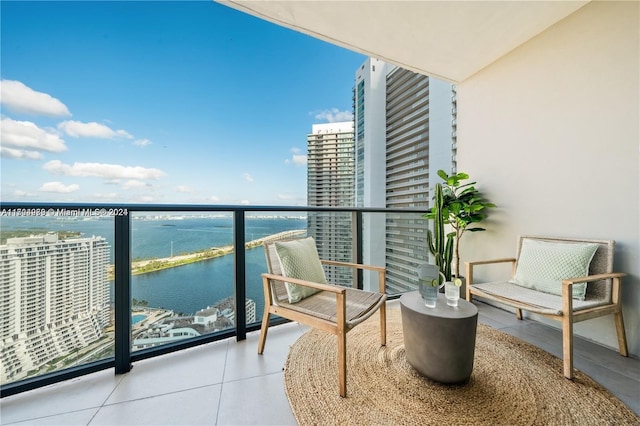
<point>459,205</point>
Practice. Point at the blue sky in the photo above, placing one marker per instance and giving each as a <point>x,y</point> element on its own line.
<point>161,102</point>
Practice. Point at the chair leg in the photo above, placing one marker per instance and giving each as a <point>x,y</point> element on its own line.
<point>263,330</point>
<point>342,362</point>
<point>567,347</point>
<point>383,325</point>
<point>622,337</point>
<point>519,313</point>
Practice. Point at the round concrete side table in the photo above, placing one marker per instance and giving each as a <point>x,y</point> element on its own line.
<point>439,342</point>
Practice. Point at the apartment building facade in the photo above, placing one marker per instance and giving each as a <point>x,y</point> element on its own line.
<point>331,183</point>
<point>54,296</point>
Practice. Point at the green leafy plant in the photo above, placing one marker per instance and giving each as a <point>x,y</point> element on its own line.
<point>440,244</point>
<point>461,207</point>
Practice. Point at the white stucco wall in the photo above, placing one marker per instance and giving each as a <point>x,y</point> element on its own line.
<point>551,133</point>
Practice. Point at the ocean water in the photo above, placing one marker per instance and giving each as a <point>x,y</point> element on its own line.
<point>188,288</point>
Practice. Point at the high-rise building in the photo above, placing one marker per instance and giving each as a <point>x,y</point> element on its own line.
<point>370,132</point>
<point>369,99</point>
<point>404,125</point>
<point>54,299</point>
<point>331,183</point>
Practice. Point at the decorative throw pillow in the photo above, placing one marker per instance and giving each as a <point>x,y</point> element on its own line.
<point>299,259</point>
<point>543,265</point>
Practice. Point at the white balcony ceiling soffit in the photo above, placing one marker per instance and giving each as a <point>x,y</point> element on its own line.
<point>447,39</point>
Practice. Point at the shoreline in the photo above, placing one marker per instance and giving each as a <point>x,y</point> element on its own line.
<point>152,265</point>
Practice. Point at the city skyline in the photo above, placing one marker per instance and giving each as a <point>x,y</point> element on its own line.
<point>161,102</point>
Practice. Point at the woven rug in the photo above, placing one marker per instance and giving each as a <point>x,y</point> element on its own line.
<point>513,383</point>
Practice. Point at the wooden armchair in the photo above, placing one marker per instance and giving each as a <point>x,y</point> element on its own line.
<point>332,308</point>
<point>602,295</point>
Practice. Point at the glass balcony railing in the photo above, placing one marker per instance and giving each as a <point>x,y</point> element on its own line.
<point>88,287</point>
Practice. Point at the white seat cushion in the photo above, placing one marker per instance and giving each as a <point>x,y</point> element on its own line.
<point>536,301</point>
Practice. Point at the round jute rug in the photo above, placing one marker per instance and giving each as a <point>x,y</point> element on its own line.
<point>513,383</point>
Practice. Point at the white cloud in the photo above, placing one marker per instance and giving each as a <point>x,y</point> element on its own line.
<point>19,98</point>
<point>78,129</point>
<point>59,187</point>
<point>19,154</point>
<point>21,193</point>
<point>26,135</point>
<point>107,171</point>
<point>133,184</point>
<point>184,189</point>
<point>146,198</point>
<point>142,142</point>
<point>285,197</point>
<point>245,202</point>
<point>213,199</point>
<point>247,177</point>
<point>297,158</point>
<point>334,115</point>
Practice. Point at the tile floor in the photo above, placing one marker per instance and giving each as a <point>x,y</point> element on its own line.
<point>227,383</point>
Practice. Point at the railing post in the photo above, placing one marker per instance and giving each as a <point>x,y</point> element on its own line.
<point>240,274</point>
<point>356,246</point>
<point>122,294</point>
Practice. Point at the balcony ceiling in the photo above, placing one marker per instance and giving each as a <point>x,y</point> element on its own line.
<point>447,39</point>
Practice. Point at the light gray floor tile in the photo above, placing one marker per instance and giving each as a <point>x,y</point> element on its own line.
<point>182,370</point>
<point>244,362</point>
<point>75,418</point>
<point>89,391</point>
<point>191,407</point>
<point>257,401</point>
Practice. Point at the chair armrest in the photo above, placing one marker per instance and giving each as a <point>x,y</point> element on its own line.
<point>487,262</point>
<point>353,265</point>
<point>590,278</point>
<point>381,270</point>
<point>567,286</point>
<point>470,265</point>
<point>323,287</point>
